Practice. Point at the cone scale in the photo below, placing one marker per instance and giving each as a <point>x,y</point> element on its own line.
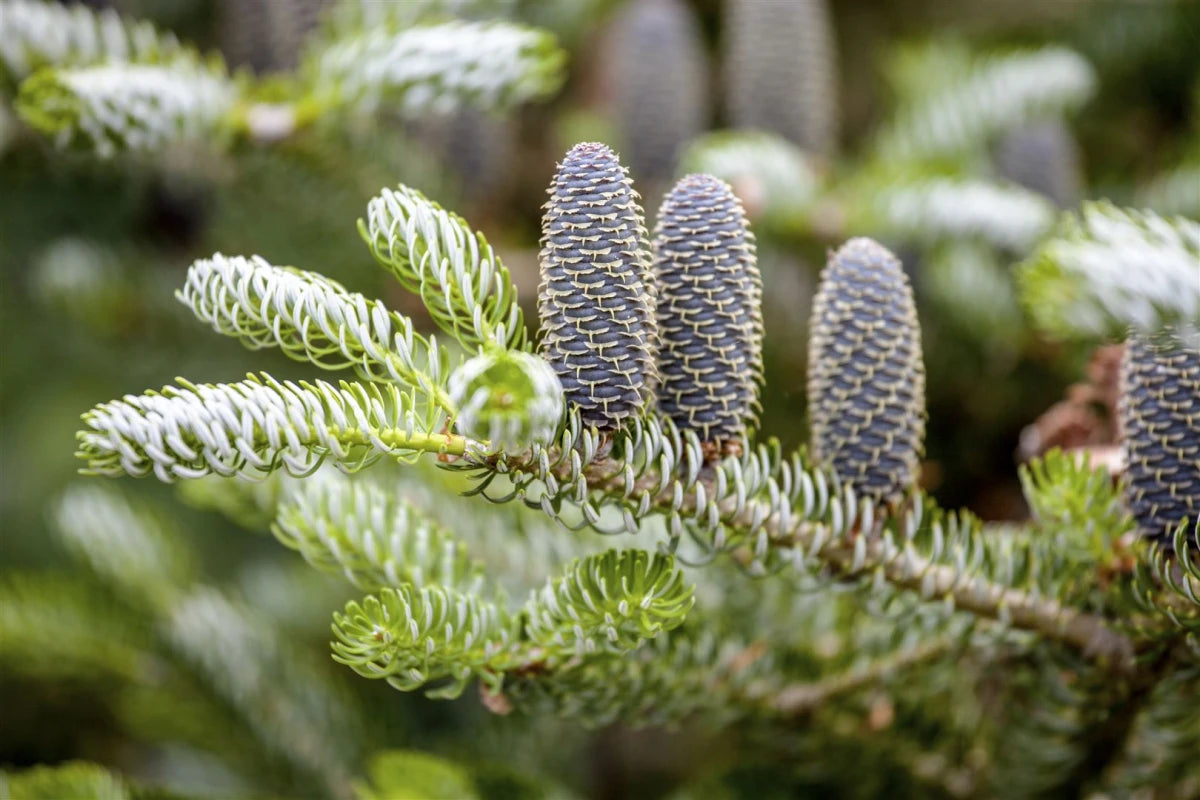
<point>709,311</point>
<point>866,380</point>
<point>1159,409</point>
<point>596,298</point>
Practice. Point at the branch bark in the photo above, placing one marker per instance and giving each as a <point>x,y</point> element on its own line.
<point>1089,633</point>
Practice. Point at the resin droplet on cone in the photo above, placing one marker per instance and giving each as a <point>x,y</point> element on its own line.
<point>866,376</point>
<point>596,299</point>
<point>1160,429</point>
<point>709,310</point>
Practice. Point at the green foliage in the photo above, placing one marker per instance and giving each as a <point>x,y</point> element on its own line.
<point>413,775</point>
<point>938,209</point>
<point>124,545</point>
<point>1065,493</point>
<point>38,33</point>
<point>453,269</point>
<point>437,67</point>
<point>419,634</point>
<point>860,601</point>
<point>256,427</point>
<point>968,107</point>
<point>1109,269</point>
<point>608,603</point>
<point>186,639</point>
<point>95,81</point>
<point>55,625</point>
<point>115,108</point>
<point>1175,191</point>
<point>972,286</point>
<point>249,503</point>
<point>76,779</point>
<point>413,636</point>
<point>1165,736</point>
<point>312,318</point>
<point>372,537</point>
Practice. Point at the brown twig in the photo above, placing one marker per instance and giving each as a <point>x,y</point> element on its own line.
<point>798,699</point>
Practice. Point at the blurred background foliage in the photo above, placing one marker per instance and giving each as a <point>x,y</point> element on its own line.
<point>951,131</point>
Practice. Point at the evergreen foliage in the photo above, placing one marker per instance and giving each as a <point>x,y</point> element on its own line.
<point>994,95</point>
<point>435,254</point>
<point>783,613</point>
<point>938,209</point>
<point>126,107</point>
<point>1109,268</point>
<point>38,33</point>
<point>438,67</point>
<point>94,80</point>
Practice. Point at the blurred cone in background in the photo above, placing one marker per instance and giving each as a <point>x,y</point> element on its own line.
<point>1044,158</point>
<point>781,70</point>
<point>657,73</point>
<point>267,35</point>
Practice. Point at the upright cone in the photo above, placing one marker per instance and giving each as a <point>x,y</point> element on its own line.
<point>1160,429</point>
<point>866,376</point>
<point>709,310</point>
<point>596,299</point>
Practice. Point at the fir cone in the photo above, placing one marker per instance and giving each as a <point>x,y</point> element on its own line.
<point>709,310</point>
<point>659,80</point>
<point>866,376</point>
<point>596,299</point>
<point>781,70</point>
<point>267,35</point>
<point>1160,429</point>
<point>1044,158</point>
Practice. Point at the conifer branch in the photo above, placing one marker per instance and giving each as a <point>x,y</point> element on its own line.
<point>1108,269</point>
<point>798,699</point>
<point>608,603</point>
<point>770,175</point>
<point>438,67</point>
<point>256,427</point>
<point>112,108</point>
<point>767,504</point>
<point>417,635</point>
<point>437,256</point>
<point>1175,191</point>
<point>39,33</point>
<point>1005,215</point>
<point>145,563</point>
<point>70,779</point>
<point>997,93</point>
<point>314,319</point>
<point>372,537</point>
